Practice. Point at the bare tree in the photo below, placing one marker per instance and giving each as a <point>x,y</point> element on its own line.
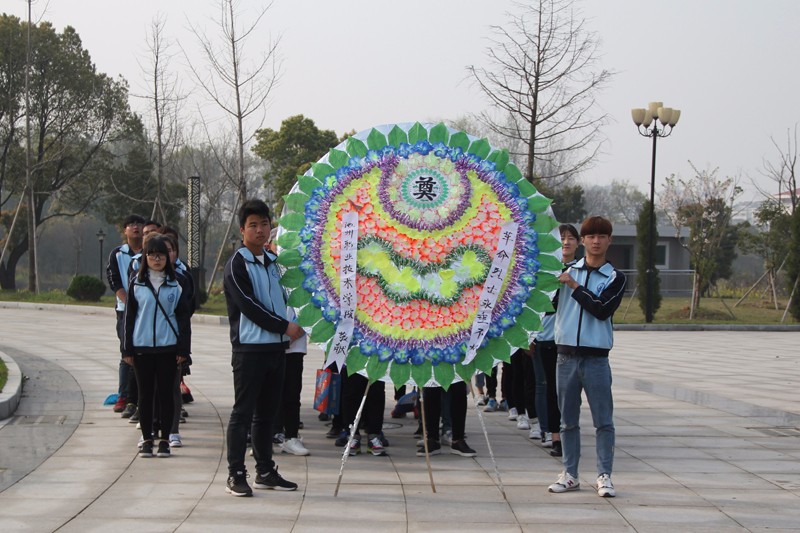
<point>240,92</point>
<point>783,171</point>
<point>704,204</point>
<point>542,81</point>
<point>164,98</point>
<point>620,201</point>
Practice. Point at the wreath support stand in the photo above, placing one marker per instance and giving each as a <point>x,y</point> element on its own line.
<point>488,443</point>
<point>425,437</point>
<point>353,429</point>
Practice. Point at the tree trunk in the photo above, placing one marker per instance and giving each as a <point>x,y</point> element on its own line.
<point>696,294</point>
<point>8,271</point>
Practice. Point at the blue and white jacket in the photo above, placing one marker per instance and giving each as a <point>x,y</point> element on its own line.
<point>184,277</point>
<point>583,317</point>
<point>256,302</point>
<point>117,270</point>
<point>151,329</point>
<point>548,333</point>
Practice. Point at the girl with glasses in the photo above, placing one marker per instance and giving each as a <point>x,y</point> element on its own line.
<point>157,338</point>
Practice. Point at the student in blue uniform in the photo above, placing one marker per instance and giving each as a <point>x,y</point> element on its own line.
<point>157,338</point>
<point>119,261</point>
<point>260,334</point>
<point>591,291</point>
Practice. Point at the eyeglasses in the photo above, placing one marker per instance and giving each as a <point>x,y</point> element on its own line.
<point>156,257</point>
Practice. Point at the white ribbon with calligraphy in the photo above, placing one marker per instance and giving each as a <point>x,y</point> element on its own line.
<point>347,291</point>
<point>491,288</point>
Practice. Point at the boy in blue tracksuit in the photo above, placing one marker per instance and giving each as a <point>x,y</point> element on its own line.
<point>117,275</point>
<point>591,291</point>
<point>260,335</point>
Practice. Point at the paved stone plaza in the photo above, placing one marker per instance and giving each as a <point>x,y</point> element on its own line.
<point>708,439</point>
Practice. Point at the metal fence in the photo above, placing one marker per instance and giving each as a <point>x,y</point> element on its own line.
<point>673,282</point>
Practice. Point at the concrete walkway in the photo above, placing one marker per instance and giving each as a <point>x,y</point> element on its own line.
<point>708,439</point>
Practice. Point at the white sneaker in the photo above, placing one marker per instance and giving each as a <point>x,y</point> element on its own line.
<point>482,399</point>
<point>547,440</point>
<point>604,486</point>
<point>564,483</point>
<point>536,430</point>
<point>513,413</point>
<point>141,441</point>
<point>523,422</point>
<point>294,446</point>
<point>447,438</point>
<point>175,440</point>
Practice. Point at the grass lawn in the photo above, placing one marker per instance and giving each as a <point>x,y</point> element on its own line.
<point>673,310</point>
<point>3,375</point>
<point>711,311</point>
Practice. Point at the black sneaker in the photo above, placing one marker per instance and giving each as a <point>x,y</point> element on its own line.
<point>237,485</point>
<point>333,433</point>
<point>556,451</point>
<point>147,449</point>
<point>434,448</point>
<point>384,440</point>
<point>130,408</point>
<point>460,447</point>
<point>163,449</point>
<point>418,432</point>
<point>344,436</point>
<point>273,480</point>
<point>324,417</point>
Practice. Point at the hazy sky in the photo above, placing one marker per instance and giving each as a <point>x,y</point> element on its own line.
<point>729,65</point>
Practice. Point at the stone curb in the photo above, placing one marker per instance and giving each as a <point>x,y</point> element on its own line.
<point>95,310</point>
<point>12,391</point>
<point>706,327</point>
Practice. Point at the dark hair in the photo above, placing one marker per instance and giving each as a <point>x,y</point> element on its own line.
<point>172,234</point>
<point>253,207</point>
<point>173,240</point>
<point>568,228</point>
<point>168,230</point>
<point>155,244</point>
<point>132,219</point>
<point>596,226</point>
<point>151,222</point>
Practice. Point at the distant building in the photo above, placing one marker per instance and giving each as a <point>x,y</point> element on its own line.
<point>745,211</point>
<point>785,198</point>
<point>672,259</point>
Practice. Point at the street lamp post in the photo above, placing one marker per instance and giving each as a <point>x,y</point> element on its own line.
<point>101,236</point>
<point>647,123</point>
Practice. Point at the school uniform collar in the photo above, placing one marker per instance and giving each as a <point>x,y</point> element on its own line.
<point>269,257</point>
<point>607,269</point>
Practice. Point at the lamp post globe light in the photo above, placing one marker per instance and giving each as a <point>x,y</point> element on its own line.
<point>101,236</point>
<point>655,121</point>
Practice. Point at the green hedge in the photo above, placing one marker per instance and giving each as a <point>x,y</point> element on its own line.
<point>86,288</point>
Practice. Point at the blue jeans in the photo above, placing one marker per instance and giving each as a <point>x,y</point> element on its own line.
<point>575,373</point>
